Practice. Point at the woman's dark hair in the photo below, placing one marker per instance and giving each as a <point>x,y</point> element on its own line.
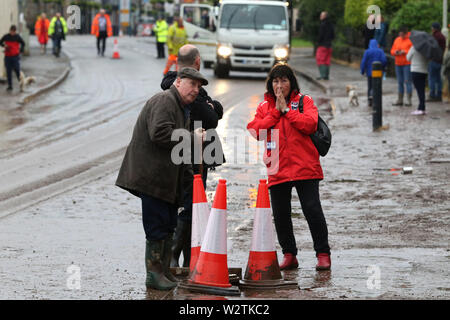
<point>281,70</point>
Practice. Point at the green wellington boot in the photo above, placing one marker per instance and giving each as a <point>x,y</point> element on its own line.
<point>154,266</point>
<point>326,72</point>
<point>322,72</point>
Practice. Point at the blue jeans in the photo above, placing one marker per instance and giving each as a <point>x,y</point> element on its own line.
<point>434,79</point>
<point>404,77</point>
<point>56,45</point>
<point>12,64</point>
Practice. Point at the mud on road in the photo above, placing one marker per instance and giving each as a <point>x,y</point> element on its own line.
<point>388,231</point>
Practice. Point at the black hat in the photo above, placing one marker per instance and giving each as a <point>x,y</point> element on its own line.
<point>436,26</point>
<point>192,74</point>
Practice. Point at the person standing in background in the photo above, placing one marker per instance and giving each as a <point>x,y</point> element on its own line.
<point>374,53</point>
<point>434,67</point>
<point>41,31</point>
<point>399,50</point>
<point>324,50</point>
<point>57,31</point>
<point>177,37</point>
<point>380,33</point>
<point>161,30</point>
<point>419,70</point>
<point>102,29</point>
<point>14,45</point>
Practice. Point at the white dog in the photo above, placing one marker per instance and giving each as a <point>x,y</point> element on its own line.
<point>352,95</point>
<point>25,81</point>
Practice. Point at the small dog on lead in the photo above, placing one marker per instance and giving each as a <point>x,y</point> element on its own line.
<point>352,95</point>
<point>25,81</point>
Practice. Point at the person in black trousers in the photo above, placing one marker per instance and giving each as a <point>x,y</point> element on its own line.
<point>292,161</point>
<point>208,112</point>
<point>14,45</point>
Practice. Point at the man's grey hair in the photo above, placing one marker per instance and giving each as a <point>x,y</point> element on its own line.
<point>187,59</point>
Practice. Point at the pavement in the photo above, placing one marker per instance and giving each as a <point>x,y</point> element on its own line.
<point>48,70</point>
<point>388,231</point>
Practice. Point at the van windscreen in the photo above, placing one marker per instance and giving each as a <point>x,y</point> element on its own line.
<point>250,16</point>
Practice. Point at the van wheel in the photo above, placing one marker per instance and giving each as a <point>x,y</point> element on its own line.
<point>221,71</point>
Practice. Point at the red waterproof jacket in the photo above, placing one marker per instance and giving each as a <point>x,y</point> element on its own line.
<point>298,158</point>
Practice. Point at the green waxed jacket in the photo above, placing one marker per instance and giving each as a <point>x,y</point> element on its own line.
<point>147,167</point>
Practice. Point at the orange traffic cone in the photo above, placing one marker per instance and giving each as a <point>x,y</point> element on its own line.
<point>210,274</point>
<point>200,215</point>
<point>116,54</point>
<point>263,271</point>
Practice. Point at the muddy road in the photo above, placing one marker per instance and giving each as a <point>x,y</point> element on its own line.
<point>62,218</point>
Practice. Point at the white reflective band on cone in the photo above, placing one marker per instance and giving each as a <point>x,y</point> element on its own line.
<point>215,240</point>
<point>200,215</point>
<point>263,239</point>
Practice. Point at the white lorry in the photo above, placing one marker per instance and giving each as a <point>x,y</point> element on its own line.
<point>239,35</point>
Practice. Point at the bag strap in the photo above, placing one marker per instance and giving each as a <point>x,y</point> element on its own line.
<point>300,103</point>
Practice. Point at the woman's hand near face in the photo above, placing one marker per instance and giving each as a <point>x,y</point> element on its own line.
<point>281,101</point>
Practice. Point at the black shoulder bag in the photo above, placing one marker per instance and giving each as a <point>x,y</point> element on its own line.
<point>322,137</point>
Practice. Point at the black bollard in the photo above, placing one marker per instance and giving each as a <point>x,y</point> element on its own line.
<point>377,74</point>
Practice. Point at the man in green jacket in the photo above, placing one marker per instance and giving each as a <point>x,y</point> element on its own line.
<point>148,171</point>
<point>57,31</point>
<point>161,30</point>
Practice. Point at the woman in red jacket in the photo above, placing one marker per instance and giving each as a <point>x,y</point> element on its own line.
<point>292,160</point>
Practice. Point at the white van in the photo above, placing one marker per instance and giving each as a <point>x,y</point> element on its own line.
<point>240,35</point>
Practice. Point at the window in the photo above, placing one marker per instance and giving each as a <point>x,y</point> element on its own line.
<point>256,17</point>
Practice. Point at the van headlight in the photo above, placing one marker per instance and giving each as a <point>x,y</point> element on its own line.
<point>224,50</point>
<point>281,53</point>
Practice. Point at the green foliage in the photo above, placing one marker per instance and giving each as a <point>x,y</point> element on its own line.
<point>388,7</point>
<point>301,43</point>
<point>418,15</point>
<point>356,10</point>
<point>309,12</point>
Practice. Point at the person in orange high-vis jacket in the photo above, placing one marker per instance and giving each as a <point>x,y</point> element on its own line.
<point>102,29</point>
<point>399,50</point>
<point>41,31</point>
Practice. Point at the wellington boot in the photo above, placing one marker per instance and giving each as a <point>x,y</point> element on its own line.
<point>399,101</point>
<point>408,100</point>
<point>289,262</point>
<point>323,261</point>
<point>181,240</point>
<point>153,263</point>
<point>322,72</point>
<point>326,72</point>
<point>167,256</point>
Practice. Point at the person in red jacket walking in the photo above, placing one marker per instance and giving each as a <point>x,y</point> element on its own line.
<point>41,31</point>
<point>14,45</point>
<point>292,160</point>
<point>102,29</point>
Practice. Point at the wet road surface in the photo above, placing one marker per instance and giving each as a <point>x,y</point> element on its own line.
<point>60,208</point>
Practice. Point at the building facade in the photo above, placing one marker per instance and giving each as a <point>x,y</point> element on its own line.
<point>9,15</point>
